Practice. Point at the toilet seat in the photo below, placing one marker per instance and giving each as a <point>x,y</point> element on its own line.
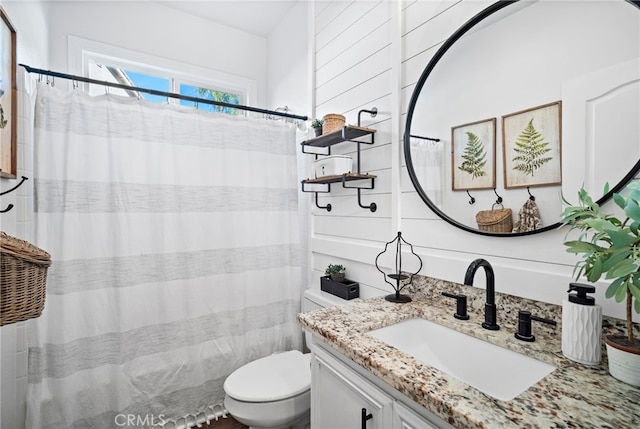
<point>271,378</point>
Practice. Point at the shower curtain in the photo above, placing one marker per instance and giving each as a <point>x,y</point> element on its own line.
<point>428,158</point>
<point>176,257</point>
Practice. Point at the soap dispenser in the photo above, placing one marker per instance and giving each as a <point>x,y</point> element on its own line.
<point>581,325</point>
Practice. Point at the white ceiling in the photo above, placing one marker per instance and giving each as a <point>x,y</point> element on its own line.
<point>258,17</point>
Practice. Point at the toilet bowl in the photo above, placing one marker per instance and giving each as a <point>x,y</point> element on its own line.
<point>275,391</point>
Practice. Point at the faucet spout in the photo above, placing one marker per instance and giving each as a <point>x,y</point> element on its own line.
<point>490,304</point>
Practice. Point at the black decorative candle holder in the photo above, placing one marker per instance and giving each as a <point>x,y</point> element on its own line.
<point>397,275</point>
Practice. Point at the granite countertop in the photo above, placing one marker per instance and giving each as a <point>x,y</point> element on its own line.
<point>573,396</point>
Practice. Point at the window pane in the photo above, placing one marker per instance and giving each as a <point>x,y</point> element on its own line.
<point>210,94</point>
<point>150,82</point>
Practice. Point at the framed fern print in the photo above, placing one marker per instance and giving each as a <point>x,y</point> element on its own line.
<point>532,146</point>
<point>473,155</point>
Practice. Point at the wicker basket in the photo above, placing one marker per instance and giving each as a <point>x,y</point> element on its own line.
<point>23,278</point>
<point>495,220</point>
<point>332,122</point>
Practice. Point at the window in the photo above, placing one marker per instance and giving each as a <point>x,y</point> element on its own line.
<point>104,62</point>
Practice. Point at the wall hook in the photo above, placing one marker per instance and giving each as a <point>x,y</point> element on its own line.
<point>327,207</point>
<point>499,200</point>
<point>373,112</point>
<point>10,206</point>
<point>531,197</point>
<point>471,199</point>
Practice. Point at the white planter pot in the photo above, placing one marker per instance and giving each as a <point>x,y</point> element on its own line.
<point>624,362</point>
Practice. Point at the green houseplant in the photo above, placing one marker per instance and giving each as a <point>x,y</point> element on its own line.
<point>317,126</point>
<point>610,247</point>
<point>335,271</point>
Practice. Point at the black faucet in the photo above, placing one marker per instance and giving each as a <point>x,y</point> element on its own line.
<point>490,304</point>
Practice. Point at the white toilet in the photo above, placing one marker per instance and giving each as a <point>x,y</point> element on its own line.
<point>274,391</point>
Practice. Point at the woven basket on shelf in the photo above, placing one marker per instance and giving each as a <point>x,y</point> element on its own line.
<point>332,122</point>
<point>23,278</point>
<point>495,220</point>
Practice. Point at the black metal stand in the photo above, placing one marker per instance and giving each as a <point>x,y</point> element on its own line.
<point>397,275</point>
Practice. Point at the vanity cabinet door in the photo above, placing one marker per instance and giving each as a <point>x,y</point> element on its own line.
<point>338,396</point>
<point>404,418</point>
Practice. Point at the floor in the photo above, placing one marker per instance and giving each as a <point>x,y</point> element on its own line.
<point>228,423</point>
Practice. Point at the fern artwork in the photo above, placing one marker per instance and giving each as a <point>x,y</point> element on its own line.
<point>474,157</point>
<point>531,150</point>
<point>531,147</point>
<point>473,151</point>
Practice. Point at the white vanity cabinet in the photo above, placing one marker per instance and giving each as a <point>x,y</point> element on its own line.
<point>340,398</point>
<point>343,398</point>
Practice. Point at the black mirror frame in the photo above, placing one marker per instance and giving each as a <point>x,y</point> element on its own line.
<point>412,104</point>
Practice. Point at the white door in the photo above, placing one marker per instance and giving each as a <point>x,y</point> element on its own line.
<point>600,128</point>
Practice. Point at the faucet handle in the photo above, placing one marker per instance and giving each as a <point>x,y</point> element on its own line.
<point>461,305</point>
<point>524,325</point>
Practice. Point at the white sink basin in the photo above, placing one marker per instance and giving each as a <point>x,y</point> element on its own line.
<point>494,370</point>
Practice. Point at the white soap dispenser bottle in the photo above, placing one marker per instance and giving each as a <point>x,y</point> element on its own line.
<point>581,325</point>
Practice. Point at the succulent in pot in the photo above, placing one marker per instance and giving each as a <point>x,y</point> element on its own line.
<point>317,126</point>
<point>336,272</point>
<point>610,247</point>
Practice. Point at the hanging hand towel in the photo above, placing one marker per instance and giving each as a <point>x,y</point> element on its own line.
<point>528,217</point>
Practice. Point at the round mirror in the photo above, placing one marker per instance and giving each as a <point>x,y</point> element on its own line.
<point>528,101</point>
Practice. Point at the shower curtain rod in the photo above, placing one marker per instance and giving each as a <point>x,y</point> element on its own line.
<point>160,93</point>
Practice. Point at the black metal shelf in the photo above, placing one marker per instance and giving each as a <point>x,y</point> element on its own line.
<point>349,177</point>
<point>348,133</point>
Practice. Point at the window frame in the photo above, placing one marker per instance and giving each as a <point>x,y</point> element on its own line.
<point>82,51</point>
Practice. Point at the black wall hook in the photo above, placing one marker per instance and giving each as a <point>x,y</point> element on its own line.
<point>471,199</point>
<point>531,197</point>
<point>373,112</point>
<point>499,200</point>
<point>10,206</point>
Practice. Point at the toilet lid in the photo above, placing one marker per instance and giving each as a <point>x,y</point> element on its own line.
<point>271,378</point>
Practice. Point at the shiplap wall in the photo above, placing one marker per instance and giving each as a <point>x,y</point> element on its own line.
<point>371,53</point>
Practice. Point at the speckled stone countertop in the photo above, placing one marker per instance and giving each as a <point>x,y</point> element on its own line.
<point>573,396</point>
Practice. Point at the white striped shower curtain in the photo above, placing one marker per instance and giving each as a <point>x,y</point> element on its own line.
<point>176,257</point>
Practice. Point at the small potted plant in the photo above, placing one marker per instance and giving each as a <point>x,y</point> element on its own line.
<point>317,126</point>
<point>336,272</point>
<point>610,246</point>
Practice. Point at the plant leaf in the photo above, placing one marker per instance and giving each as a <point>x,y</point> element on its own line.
<point>613,287</point>
<point>621,293</point>
<point>621,238</point>
<point>622,269</point>
<point>632,210</point>
<point>593,274</point>
<point>581,247</point>
<point>635,291</point>
<point>619,200</point>
<point>615,258</point>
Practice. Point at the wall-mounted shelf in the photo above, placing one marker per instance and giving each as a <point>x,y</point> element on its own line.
<point>348,133</point>
<point>340,178</point>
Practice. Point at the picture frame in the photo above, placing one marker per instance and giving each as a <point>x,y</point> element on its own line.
<point>8,99</point>
<point>532,146</point>
<point>473,155</point>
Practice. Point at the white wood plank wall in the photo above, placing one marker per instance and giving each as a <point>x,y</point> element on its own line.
<point>370,53</point>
